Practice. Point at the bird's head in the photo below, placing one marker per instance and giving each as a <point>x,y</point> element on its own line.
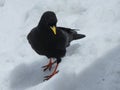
<point>49,19</point>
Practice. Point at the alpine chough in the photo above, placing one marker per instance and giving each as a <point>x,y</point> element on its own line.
<point>49,40</point>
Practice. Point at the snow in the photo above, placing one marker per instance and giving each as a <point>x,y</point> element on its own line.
<point>92,63</point>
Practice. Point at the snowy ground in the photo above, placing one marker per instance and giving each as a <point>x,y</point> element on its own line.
<point>92,63</point>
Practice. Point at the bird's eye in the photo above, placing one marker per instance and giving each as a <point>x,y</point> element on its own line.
<point>53,24</point>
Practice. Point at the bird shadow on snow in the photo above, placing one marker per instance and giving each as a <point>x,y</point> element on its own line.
<point>73,49</point>
<point>27,75</point>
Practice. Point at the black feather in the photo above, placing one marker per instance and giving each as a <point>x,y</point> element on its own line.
<point>44,42</point>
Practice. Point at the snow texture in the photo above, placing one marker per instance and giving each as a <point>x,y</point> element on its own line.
<point>92,63</point>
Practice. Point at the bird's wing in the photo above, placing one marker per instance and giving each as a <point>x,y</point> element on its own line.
<point>65,35</point>
<point>70,34</point>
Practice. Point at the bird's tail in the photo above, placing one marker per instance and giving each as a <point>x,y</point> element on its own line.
<point>72,34</point>
<point>78,36</point>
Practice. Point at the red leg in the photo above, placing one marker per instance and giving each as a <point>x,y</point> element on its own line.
<point>49,65</point>
<point>54,72</point>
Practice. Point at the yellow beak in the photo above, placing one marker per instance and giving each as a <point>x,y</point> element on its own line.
<point>53,28</point>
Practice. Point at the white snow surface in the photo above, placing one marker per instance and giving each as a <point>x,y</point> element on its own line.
<point>92,63</point>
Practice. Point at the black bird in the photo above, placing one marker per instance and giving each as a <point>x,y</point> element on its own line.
<point>49,40</point>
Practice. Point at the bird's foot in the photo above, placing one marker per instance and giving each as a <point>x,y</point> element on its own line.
<point>48,66</point>
<point>54,72</point>
<point>50,76</point>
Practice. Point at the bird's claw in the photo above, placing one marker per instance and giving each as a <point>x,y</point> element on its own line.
<point>50,76</point>
<point>49,66</point>
<point>47,77</point>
